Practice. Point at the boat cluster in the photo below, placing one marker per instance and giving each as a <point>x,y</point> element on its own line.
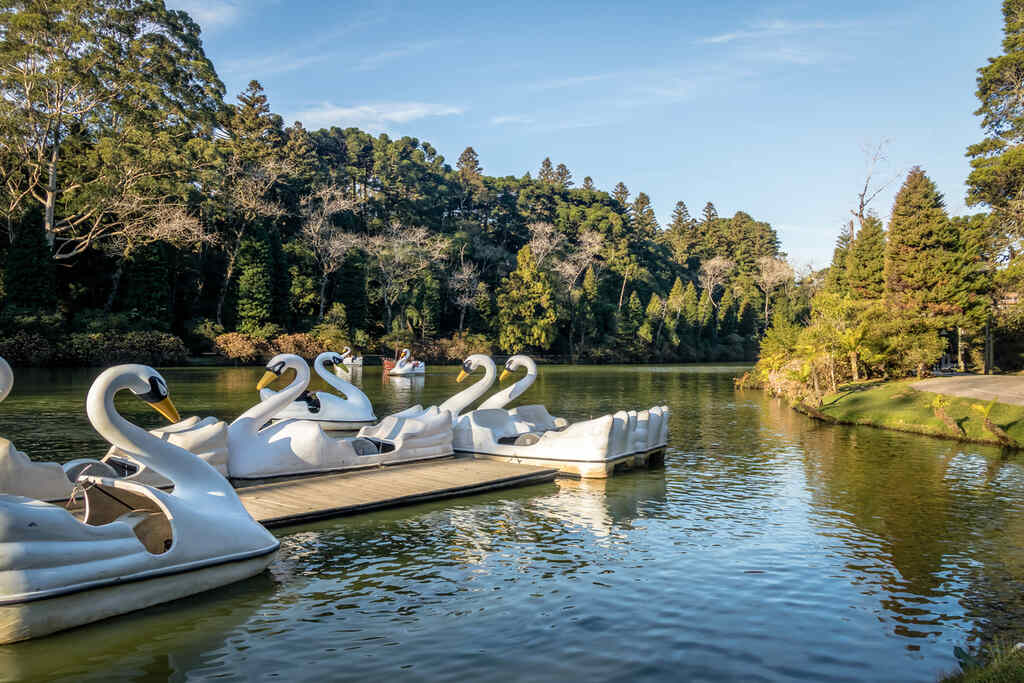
<point>158,517</point>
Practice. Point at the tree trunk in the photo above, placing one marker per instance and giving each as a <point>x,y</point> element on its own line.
<point>622,292</point>
<point>462,318</point>
<point>959,349</point>
<point>51,194</point>
<point>854,366</point>
<point>832,373</point>
<point>988,345</point>
<point>323,295</point>
<point>229,271</point>
<point>115,285</point>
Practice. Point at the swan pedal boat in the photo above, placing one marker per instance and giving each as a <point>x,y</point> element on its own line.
<point>347,412</point>
<point>135,546</point>
<point>530,435</point>
<point>404,366</point>
<point>299,447</point>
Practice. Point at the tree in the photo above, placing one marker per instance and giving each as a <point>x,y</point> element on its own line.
<point>400,255</point>
<point>644,222</point>
<point>563,176</point>
<point>525,307</point>
<point>328,242</point>
<point>545,241</point>
<point>709,214</point>
<point>771,272</point>
<point>547,174</point>
<point>866,260</point>
<point>713,273</point>
<point>29,278</point>
<point>920,250</point>
<point>588,184</point>
<point>464,284</point>
<point>837,278</point>
<point>620,193</point>
<point>125,76</point>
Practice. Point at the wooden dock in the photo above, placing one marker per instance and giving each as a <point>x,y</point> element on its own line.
<point>296,501</point>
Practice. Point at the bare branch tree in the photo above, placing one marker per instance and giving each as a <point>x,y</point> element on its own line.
<point>771,272</point>
<point>712,275</point>
<point>329,243</point>
<point>576,262</point>
<point>544,241</point>
<point>243,193</point>
<point>401,253</point>
<point>874,154</point>
<point>463,283</point>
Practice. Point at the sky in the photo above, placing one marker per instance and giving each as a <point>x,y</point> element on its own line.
<point>765,107</point>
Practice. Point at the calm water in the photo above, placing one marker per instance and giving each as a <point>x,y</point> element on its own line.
<point>769,548</point>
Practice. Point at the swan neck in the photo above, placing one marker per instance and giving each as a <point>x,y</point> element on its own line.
<point>262,412</point>
<point>460,401</point>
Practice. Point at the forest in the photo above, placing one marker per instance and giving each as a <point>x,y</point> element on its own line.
<point>150,216</point>
<point>927,288</point>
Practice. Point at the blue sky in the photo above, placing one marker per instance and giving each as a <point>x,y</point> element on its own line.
<point>759,107</point>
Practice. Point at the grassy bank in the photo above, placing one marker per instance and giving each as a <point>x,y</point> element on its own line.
<point>895,405</point>
<point>1005,665</point>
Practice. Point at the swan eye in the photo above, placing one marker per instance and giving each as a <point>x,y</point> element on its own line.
<point>466,367</point>
<point>336,360</point>
<point>157,391</point>
<point>277,368</point>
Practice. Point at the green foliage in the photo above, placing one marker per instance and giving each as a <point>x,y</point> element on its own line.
<point>29,280</point>
<point>255,306</point>
<point>333,331</point>
<point>525,308</point>
<point>866,261</point>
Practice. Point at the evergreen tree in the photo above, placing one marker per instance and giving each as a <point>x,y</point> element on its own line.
<point>866,261</point>
<point>526,307</point>
<point>653,319</point>
<point>726,314</point>
<point>706,316</point>
<point>644,221</point>
<point>836,279</point>
<point>621,194</point>
<point>709,215</point>
<point>588,183</point>
<point>255,303</point>
<point>590,313</point>
<point>563,176</point>
<point>547,172</point>
<point>469,167</point>
<point>632,319</point>
<point>483,309</point>
<point>746,318</point>
<point>29,278</point>
<point>921,249</point>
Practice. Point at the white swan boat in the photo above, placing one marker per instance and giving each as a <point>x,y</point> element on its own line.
<point>530,435</point>
<point>299,447</point>
<point>350,410</point>
<point>137,546</point>
<point>348,359</point>
<point>404,366</point>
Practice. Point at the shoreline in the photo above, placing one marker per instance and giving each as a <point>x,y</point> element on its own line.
<point>898,406</point>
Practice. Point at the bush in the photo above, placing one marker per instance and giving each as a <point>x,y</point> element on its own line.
<point>151,348</point>
<point>100,321</point>
<point>237,347</point>
<point>47,325</point>
<point>262,332</point>
<point>301,344</point>
<point>26,348</point>
<point>201,335</point>
<point>463,344</point>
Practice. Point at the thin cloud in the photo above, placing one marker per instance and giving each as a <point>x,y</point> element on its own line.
<point>571,81</point>
<point>375,61</point>
<point>210,14</point>
<point>511,119</point>
<point>771,29</point>
<point>377,118</point>
<point>278,64</point>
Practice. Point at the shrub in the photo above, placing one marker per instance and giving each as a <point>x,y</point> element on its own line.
<point>301,344</point>
<point>237,347</point>
<point>26,348</point>
<point>94,348</point>
<point>97,320</point>
<point>201,335</point>
<point>463,344</point>
<point>262,332</point>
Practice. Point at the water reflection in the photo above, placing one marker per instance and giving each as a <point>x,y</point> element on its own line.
<point>770,547</point>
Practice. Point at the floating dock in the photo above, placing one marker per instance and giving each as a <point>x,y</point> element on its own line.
<point>295,501</point>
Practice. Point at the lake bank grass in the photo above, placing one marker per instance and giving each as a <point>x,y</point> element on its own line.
<point>1006,665</point>
<point>896,405</point>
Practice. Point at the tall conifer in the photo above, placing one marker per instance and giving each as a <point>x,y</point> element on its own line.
<point>866,261</point>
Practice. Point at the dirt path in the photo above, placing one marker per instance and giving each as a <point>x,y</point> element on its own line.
<point>1005,388</point>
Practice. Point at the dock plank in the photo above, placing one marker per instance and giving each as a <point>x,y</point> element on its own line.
<point>295,501</point>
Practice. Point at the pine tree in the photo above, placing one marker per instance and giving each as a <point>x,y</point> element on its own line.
<point>563,176</point>
<point>547,172</point>
<point>468,166</point>
<point>653,319</point>
<point>645,223</point>
<point>866,261</point>
<point>726,314</point>
<point>921,249</point>
<point>483,309</point>
<point>590,313</point>
<point>709,214</point>
<point>632,319</point>
<point>255,303</point>
<point>621,194</point>
<point>674,311</point>
<point>588,183</point>
<point>836,280</point>
<point>526,307</point>
<point>706,316</point>
<point>746,318</point>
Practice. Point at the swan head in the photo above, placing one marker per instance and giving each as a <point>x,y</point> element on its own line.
<point>6,379</point>
<point>347,351</point>
<point>471,363</point>
<point>516,362</point>
<point>329,358</point>
<point>276,367</point>
<point>143,381</point>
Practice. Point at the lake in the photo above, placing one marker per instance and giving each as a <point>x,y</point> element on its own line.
<point>768,548</point>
